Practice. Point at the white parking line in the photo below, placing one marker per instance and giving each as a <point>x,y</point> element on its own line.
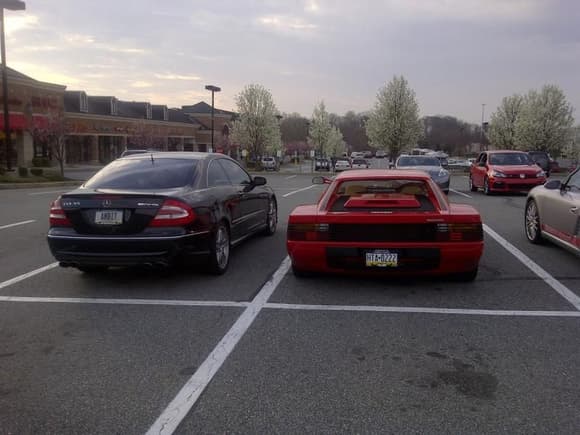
<point>49,192</point>
<point>299,190</point>
<point>164,302</point>
<point>564,291</point>
<point>422,310</point>
<point>460,193</point>
<point>27,275</point>
<point>290,177</point>
<point>16,224</point>
<point>169,420</point>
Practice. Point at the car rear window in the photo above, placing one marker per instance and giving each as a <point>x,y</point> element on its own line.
<point>359,162</point>
<point>418,161</point>
<point>146,173</point>
<point>382,195</point>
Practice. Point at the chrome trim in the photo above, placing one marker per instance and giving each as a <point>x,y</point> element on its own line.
<point>128,239</point>
<point>248,216</point>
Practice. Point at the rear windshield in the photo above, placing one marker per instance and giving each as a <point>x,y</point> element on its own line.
<point>382,195</point>
<point>145,174</point>
<point>509,159</point>
<point>418,161</point>
<point>359,161</point>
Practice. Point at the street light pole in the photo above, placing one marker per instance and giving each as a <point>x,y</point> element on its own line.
<point>482,118</point>
<point>12,5</point>
<point>213,90</point>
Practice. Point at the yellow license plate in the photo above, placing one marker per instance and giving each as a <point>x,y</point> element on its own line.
<point>382,259</point>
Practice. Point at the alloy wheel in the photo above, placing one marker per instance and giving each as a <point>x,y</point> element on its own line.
<point>532,222</point>
<point>222,247</point>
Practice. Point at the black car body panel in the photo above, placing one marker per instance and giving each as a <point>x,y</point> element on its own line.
<point>219,191</point>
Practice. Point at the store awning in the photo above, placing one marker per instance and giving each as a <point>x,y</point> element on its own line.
<point>19,122</point>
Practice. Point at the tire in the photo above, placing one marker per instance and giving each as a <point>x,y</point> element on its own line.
<point>272,218</point>
<point>486,187</point>
<point>220,247</point>
<point>466,276</point>
<point>299,273</point>
<point>446,191</point>
<point>472,186</point>
<point>532,226</point>
<point>92,270</point>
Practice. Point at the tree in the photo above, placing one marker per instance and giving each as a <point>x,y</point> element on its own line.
<point>545,122</point>
<point>393,124</point>
<point>294,128</point>
<point>335,144</point>
<point>257,128</point>
<point>502,133</point>
<point>352,127</point>
<point>54,133</point>
<point>320,129</point>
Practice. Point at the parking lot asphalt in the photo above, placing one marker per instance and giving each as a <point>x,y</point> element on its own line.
<point>112,353</point>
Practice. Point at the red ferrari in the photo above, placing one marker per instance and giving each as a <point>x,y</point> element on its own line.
<point>389,222</point>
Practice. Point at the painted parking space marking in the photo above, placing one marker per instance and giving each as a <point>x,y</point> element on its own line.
<point>299,190</point>
<point>169,420</point>
<point>48,193</point>
<point>113,301</point>
<point>421,310</point>
<point>460,193</point>
<point>27,275</point>
<point>560,288</point>
<point>290,177</point>
<point>17,224</point>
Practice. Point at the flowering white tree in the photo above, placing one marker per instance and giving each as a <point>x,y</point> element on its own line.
<point>502,133</point>
<point>394,124</point>
<point>257,128</point>
<point>545,122</point>
<point>320,130</point>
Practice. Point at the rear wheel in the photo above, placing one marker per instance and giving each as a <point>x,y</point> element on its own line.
<point>472,186</point>
<point>220,250</point>
<point>466,276</point>
<point>92,269</point>
<point>272,218</point>
<point>532,222</point>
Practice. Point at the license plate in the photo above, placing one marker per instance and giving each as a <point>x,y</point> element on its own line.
<point>109,217</point>
<point>382,259</point>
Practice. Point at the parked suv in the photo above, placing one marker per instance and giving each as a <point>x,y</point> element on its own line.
<point>269,164</point>
<point>543,160</point>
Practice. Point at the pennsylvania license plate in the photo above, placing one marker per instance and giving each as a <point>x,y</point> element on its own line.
<point>382,258</point>
<point>109,217</point>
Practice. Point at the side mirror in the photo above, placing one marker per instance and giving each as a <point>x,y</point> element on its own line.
<point>259,181</point>
<point>321,180</point>
<point>553,185</point>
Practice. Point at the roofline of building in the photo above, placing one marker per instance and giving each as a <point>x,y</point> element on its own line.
<point>125,118</point>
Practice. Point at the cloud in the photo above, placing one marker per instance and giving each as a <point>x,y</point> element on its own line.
<point>44,73</point>
<point>78,39</point>
<point>281,22</point>
<point>141,84</point>
<point>170,76</point>
<point>18,22</point>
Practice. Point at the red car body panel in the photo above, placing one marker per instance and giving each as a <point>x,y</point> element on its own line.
<point>518,178</point>
<point>454,255</point>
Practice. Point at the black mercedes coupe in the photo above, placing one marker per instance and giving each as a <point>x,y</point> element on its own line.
<point>157,208</point>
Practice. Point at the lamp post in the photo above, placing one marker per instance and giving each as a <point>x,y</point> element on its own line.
<point>213,90</point>
<point>481,135</point>
<point>11,5</point>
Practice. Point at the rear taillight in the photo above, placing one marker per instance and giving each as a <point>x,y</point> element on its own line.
<point>308,232</point>
<point>460,232</point>
<point>173,213</point>
<point>57,216</point>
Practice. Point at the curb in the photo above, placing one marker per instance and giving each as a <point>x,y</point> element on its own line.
<point>9,186</point>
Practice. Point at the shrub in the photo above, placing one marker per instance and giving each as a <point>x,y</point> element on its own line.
<point>36,171</point>
<point>23,172</point>
<point>41,162</point>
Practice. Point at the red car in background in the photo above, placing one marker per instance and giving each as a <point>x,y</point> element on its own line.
<point>385,222</point>
<point>505,171</point>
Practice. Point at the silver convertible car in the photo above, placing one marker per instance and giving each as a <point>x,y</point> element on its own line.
<point>431,165</point>
<point>553,213</point>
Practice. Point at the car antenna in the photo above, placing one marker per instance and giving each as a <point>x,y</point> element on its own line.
<point>152,159</point>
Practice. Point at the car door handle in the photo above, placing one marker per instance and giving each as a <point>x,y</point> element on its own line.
<point>574,210</point>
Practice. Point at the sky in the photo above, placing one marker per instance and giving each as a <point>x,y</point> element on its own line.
<point>455,54</point>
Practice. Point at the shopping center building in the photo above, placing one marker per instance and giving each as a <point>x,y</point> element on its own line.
<point>96,129</point>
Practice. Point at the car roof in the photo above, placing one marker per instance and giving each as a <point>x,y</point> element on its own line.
<point>186,155</point>
<point>506,152</point>
<point>387,174</point>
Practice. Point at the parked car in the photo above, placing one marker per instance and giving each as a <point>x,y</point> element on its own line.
<point>543,160</point>
<point>155,209</point>
<point>505,171</point>
<point>129,152</point>
<point>269,164</point>
<point>360,164</point>
<point>429,164</point>
<point>367,154</point>
<point>380,154</point>
<point>322,164</point>
<point>553,213</point>
<point>357,155</point>
<point>386,223</point>
<point>342,165</point>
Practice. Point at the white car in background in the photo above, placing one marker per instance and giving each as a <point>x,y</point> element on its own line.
<point>360,164</point>
<point>342,165</point>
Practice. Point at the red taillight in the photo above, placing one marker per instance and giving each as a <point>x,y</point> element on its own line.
<point>456,232</point>
<point>308,232</point>
<point>57,216</point>
<point>173,213</point>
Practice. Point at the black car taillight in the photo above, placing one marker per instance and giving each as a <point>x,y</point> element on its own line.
<point>57,216</point>
<point>173,213</point>
<point>460,232</point>
<point>308,232</point>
